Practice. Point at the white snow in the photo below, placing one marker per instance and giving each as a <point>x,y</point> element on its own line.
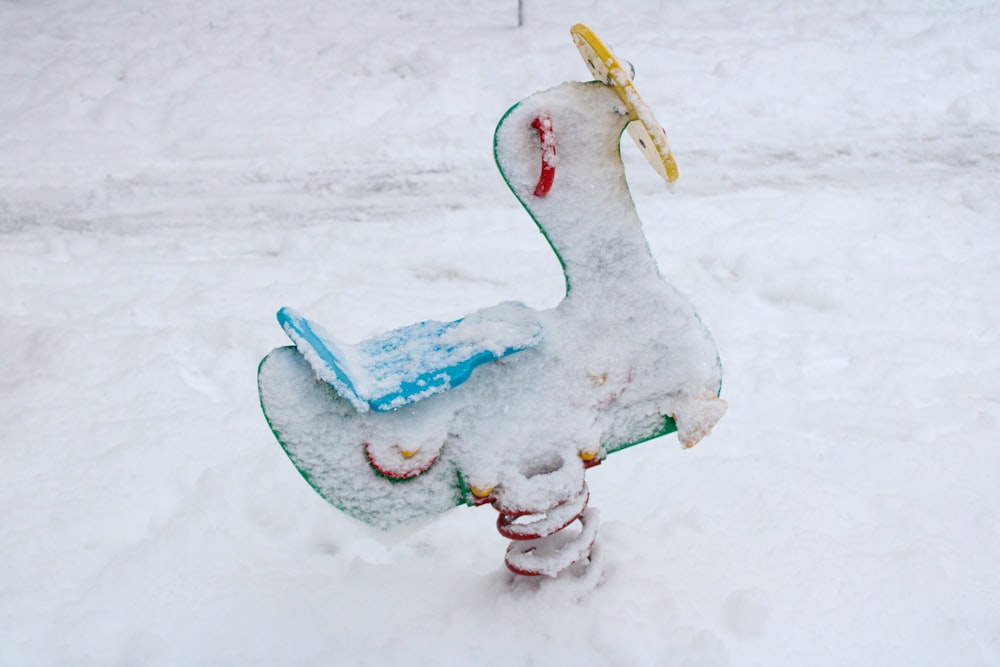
<point>172,174</point>
<point>621,354</point>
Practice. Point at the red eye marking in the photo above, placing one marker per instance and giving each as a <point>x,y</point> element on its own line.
<point>544,126</point>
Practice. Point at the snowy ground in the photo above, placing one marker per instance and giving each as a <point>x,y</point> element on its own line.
<point>172,173</point>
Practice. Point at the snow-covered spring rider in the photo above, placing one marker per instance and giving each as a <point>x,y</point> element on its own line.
<point>398,427</point>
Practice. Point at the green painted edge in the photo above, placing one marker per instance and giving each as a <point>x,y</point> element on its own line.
<point>277,436</point>
<point>496,160</point>
<point>463,492</point>
<point>461,486</point>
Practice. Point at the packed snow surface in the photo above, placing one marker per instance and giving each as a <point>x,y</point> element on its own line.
<point>172,174</point>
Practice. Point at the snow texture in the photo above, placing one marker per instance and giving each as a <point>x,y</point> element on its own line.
<point>619,355</point>
<point>409,364</point>
<point>173,173</point>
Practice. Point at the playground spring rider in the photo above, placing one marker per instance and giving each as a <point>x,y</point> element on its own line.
<point>509,406</point>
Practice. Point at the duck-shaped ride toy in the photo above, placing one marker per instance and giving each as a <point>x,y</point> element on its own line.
<point>509,406</point>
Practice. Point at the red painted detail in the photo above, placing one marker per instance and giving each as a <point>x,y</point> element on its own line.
<point>544,126</point>
<point>506,525</point>
<point>516,512</point>
<point>544,523</point>
<point>513,513</point>
<point>485,500</point>
<point>400,473</point>
<point>524,573</point>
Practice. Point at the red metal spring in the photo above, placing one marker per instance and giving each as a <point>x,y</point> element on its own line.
<point>540,545</point>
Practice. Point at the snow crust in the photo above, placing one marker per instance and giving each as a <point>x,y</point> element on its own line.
<point>409,364</point>
<point>173,173</point>
<point>619,355</point>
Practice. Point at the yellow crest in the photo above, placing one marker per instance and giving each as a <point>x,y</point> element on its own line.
<point>647,133</point>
